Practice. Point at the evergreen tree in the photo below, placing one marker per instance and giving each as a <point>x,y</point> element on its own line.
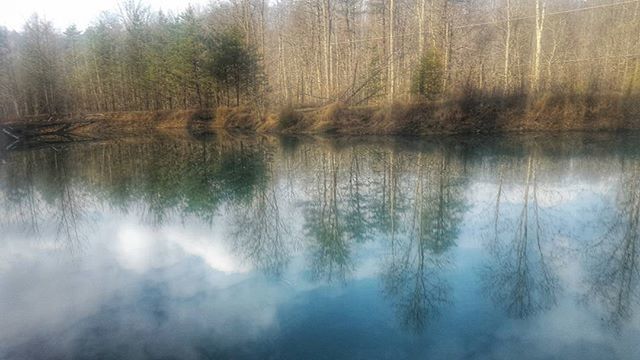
<point>234,64</point>
<point>427,81</point>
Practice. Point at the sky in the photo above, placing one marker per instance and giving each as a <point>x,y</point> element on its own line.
<point>14,13</point>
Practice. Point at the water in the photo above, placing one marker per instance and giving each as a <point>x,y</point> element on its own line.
<point>232,247</point>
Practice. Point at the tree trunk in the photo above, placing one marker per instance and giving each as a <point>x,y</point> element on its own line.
<point>391,60</point>
<point>327,22</point>
<point>541,6</point>
<point>507,48</point>
<point>421,21</point>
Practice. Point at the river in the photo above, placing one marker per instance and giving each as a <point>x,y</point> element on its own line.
<point>252,247</point>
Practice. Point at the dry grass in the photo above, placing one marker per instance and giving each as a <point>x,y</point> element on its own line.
<point>288,119</point>
<point>242,118</point>
<point>142,121</point>
<point>470,112</point>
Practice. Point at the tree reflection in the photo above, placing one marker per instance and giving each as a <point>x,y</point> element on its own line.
<point>162,180</point>
<point>615,259</point>
<point>260,233</point>
<point>388,204</point>
<point>520,276</point>
<point>182,179</point>
<point>50,205</point>
<point>412,276</point>
<point>356,214</point>
<point>21,203</point>
<point>325,225</point>
<point>70,215</point>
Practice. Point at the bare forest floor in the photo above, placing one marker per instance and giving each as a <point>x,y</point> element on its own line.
<point>469,114</point>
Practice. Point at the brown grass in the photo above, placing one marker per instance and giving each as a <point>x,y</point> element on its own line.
<point>242,118</point>
<point>470,112</point>
<point>142,121</point>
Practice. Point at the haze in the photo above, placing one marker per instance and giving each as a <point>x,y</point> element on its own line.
<point>13,14</point>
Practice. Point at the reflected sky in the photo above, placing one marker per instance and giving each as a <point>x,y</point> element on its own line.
<point>289,248</point>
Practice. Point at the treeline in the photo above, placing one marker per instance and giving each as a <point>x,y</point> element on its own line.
<point>313,52</point>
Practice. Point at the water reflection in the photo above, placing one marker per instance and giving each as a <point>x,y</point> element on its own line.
<point>260,231</point>
<point>412,277</point>
<point>440,238</point>
<point>326,225</point>
<point>615,257</point>
<point>520,275</point>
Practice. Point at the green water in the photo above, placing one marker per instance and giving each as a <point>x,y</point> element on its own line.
<point>245,247</point>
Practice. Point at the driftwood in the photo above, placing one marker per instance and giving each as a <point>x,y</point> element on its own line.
<point>7,132</point>
<point>23,130</point>
<point>44,133</point>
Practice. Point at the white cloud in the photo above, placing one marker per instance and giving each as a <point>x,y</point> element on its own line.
<point>209,246</point>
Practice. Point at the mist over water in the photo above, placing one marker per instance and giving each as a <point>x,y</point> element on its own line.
<point>521,247</point>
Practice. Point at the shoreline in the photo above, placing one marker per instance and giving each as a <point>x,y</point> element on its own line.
<point>471,115</point>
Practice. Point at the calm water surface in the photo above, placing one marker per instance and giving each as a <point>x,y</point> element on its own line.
<point>264,248</point>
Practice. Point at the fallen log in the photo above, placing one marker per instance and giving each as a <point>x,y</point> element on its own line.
<point>33,134</point>
<point>23,130</point>
<point>10,134</point>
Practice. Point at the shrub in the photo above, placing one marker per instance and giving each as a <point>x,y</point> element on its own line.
<point>288,118</point>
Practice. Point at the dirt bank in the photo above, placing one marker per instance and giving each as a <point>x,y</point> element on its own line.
<point>469,114</point>
<point>466,115</point>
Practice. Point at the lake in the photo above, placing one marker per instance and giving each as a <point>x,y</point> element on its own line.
<point>251,247</point>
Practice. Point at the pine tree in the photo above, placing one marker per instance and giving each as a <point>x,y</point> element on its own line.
<point>234,64</point>
<point>427,81</point>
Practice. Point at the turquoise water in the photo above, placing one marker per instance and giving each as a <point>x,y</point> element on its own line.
<point>244,247</point>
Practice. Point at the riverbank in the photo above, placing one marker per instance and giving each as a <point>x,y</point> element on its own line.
<point>471,114</point>
<point>468,115</point>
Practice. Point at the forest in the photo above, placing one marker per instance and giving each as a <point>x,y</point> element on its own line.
<point>310,53</point>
